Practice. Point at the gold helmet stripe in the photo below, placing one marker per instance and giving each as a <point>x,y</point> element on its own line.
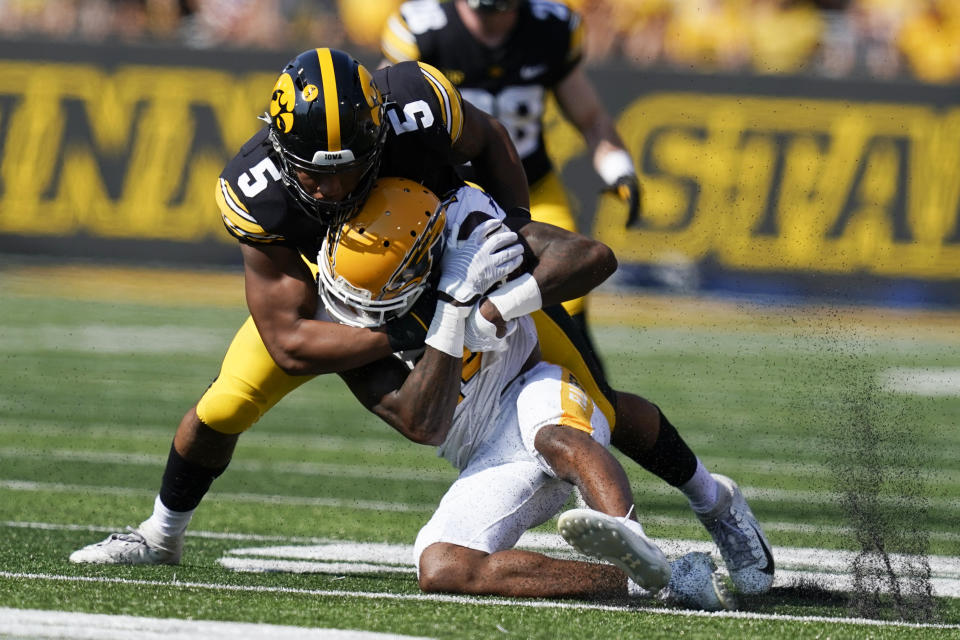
<point>331,101</point>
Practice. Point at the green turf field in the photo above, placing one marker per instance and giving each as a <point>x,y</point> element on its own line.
<point>840,425</point>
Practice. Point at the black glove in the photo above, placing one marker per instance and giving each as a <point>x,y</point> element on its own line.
<point>627,189</point>
<point>410,330</point>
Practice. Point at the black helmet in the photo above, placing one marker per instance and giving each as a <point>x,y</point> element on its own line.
<point>326,116</point>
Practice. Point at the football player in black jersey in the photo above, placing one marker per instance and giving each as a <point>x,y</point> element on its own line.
<point>332,129</point>
<point>505,56</point>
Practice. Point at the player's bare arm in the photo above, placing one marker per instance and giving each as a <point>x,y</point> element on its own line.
<point>564,264</point>
<point>282,298</point>
<point>418,404</point>
<point>487,145</point>
<point>581,105</point>
<point>568,264</point>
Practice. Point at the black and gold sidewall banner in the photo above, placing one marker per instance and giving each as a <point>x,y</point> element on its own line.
<point>794,184</point>
<point>784,176</point>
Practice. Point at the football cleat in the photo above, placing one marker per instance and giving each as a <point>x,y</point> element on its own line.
<point>608,538</point>
<point>740,539</point>
<point>131,547</point>
<point>695,584</point>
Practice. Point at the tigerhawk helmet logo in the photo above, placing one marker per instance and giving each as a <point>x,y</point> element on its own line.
<point>281,103</point>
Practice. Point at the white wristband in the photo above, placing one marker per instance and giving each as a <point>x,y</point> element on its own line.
<point>517,297</point>
<point>446,330</point>
<point>614,165</point>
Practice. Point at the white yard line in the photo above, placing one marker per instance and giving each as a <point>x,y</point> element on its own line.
<point>367,505</point>
<point>826,568</point>
<point>385,471</point>
<point>114,339</point>
<point>777,495</point>
<point>922,381</point>
<point>465,600</point>
<point>256,438</point>
<point>63,625</point>
<point>322,469</point>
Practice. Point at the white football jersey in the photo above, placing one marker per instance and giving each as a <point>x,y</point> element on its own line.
<point>485,375</point>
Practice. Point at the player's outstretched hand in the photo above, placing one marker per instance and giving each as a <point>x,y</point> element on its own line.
<point>628,189</point>
<point>472,265</point>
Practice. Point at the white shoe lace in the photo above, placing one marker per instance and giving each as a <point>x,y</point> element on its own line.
<point>132,536</point>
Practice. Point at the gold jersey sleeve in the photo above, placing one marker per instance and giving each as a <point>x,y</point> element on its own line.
<point>237,218</point>
<point>397,42</point>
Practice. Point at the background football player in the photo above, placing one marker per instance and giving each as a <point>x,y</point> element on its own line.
<point>505,56</point>
<point>522,432</point>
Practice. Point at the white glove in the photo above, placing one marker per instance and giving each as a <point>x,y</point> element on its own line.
<point>470,267</point>
<point>481,335</point>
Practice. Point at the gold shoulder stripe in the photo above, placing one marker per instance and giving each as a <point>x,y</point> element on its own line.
<point>233,209</point>
<point>397,43</point>
<point>449,99</point>
<point>252,237</point>
<point>231,199</point>
<point>236,217</point>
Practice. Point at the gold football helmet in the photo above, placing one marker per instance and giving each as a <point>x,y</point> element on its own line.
<point>374,267</point>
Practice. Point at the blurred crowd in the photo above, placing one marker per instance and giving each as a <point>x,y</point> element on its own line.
<point>838,38</point>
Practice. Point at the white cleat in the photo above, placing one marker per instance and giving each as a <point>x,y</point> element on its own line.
<point>695,584</point>
<point>608,538</point>
<point>740,539</point>
<point>130,548</point>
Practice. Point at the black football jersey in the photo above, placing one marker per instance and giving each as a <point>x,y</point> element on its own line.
<point>509,81</point>
<point>424,115</point>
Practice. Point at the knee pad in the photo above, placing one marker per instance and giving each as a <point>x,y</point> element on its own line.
<point>227,410</point>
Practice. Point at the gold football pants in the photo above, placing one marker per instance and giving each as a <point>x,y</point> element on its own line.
<point>250,382</point>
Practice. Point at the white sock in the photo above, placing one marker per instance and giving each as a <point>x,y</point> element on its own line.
<point>701,490</point>
<point>167,523</point>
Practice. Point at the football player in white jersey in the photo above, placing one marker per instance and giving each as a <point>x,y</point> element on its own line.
<point>521,431</point>
<point>505,57</point>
